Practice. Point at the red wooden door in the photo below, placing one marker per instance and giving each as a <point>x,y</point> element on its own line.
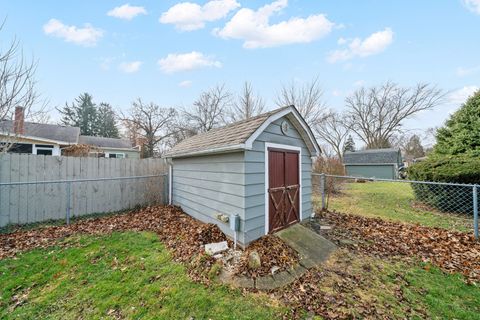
<point>283,188</point>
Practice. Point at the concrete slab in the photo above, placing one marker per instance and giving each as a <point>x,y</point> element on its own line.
<point>312,247</point>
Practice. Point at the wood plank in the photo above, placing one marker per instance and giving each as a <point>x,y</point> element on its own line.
<point>40,192</point>
<point>14,190</point>
<point>62,192</point>
<point>75,191</point>
<point>4,190</point>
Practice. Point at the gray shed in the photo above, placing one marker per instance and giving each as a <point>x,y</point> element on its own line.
<point>373,163</point>
<point>258,169</point>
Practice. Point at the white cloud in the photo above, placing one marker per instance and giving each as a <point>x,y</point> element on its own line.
<point>254,28</point>
<point>359,83</point>
<point>373,44</point>
<point>461,95</point>
<point>126,12</point>
<point>188,16</point>
<point>86,36</point>
<point>175,62</point>
<point>462,72</point>
<point>185,84</point>
<point>130,67</point>
<point>106,62</point>
<point>472,5</point>
<point>336,93</point>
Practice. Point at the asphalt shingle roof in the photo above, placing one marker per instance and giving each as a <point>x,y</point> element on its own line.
<point>45,131</point>
<point>229,135</point>
<point>102,142</point>
<point>372,156</point>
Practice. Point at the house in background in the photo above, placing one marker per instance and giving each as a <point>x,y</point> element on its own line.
<point>373,163</point>
<point>50,139</point>
<point>111,147</point>
<point>258,169</point>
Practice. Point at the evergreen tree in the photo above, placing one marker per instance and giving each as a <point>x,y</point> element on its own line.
<point>349,144</point>
<point>92,120</point>
<point>461,133</point>
<point>107,126</point>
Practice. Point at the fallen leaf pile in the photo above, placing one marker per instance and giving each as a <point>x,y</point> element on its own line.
<point>182,234</point>
<point>452,251</point>
<point>273,253</point>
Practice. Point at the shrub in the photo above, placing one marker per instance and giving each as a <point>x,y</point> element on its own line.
<point>328,165</point>
<point>451,169</point>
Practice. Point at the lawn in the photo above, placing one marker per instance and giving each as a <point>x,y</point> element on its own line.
<point>394,201</point>
<point>120,275</point>
<point>359,286</point>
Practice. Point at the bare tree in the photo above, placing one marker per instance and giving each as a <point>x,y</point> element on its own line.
<point>181,130</point>
<point>248,104</point>
<point>209,110</point>
<point>17,85</point>
<point>331,129</point>
<point>150,123</point>
<point>308,99</point>
<point>377,113</point>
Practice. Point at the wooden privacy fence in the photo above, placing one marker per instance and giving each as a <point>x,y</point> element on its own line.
<point>35,188</point>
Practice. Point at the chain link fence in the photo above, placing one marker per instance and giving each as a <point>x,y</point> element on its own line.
<point>365,195</point>
<point>25,202</point>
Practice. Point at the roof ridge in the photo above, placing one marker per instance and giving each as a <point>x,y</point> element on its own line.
<point>268,113</point>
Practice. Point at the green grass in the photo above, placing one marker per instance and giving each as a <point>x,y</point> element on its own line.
<point>446,296</point>
<point>400,290</point>
<point>122,275</point>
<point>393,201</point>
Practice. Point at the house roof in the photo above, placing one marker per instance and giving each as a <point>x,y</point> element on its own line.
<point>102,142</point>
<point>62,134</point>
<point>240,135</point>
<point>373,156</point>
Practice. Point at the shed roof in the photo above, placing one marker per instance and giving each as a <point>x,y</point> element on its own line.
<point>372,156</point>
<point>240,135</point>
<point>53,132</point>
<point>102,142</point>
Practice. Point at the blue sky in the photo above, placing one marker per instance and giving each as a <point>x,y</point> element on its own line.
<point>169,51</point>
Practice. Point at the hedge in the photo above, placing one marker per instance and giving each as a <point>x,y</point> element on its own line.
<point>451,169</point>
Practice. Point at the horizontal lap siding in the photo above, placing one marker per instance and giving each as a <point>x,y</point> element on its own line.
<point>371,171</point>
<point>207,185</point>
<point>255,180</point>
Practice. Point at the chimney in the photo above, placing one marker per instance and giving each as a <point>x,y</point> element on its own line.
<point>19,121</point>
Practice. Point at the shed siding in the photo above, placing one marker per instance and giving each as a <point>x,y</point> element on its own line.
<point>255,180</point>
<point>371,171</point>
<point>131,154</point>
<point>207,185</point>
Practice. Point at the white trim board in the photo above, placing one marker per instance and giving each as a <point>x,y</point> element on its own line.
<point>285,147</point>
<point>276,116</point>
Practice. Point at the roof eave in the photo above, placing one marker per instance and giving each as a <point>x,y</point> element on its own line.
<point>226,149</point>
<point>5,134</point>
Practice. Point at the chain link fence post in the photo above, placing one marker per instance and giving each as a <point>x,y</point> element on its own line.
<point>475,211</point>
<point>322,190</point>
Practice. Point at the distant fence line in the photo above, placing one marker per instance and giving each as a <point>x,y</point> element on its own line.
<point>442,196</point>
<point>36,188</point>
